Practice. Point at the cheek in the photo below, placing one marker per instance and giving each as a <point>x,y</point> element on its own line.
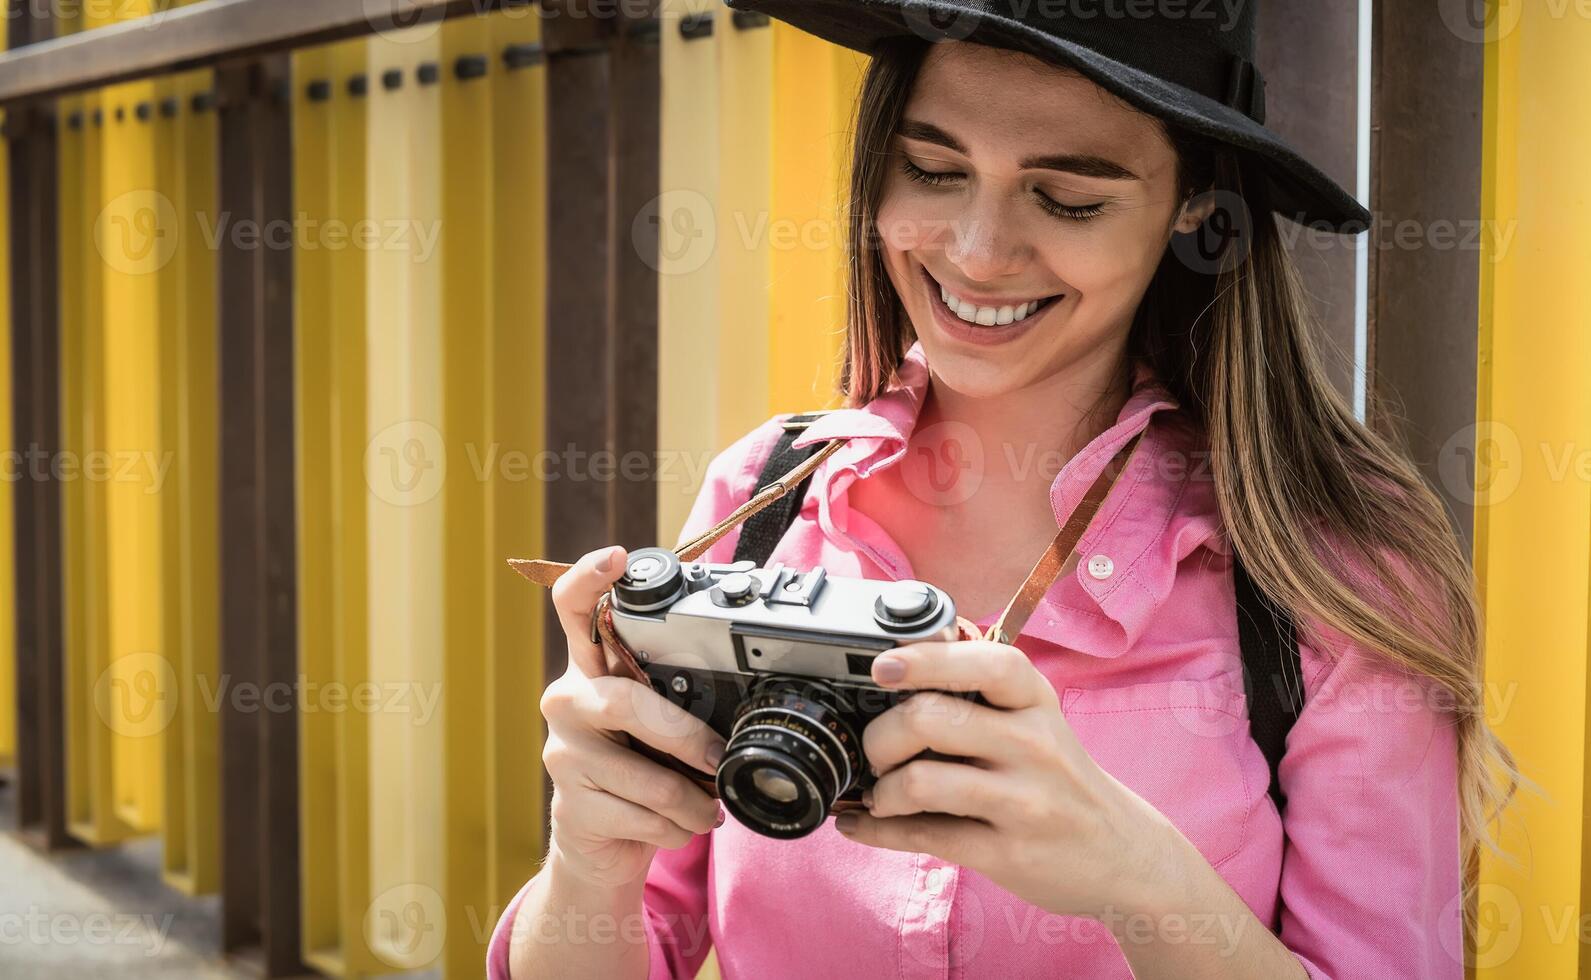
<point>906,222</point>
<point>1103,264</point>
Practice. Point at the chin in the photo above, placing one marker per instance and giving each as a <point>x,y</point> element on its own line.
<point>974,372</point>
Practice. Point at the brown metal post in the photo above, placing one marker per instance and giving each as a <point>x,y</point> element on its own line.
<point>1309,57</point>
<point>35,319</point>
<point>259,740</point>
<point>1424,293</point>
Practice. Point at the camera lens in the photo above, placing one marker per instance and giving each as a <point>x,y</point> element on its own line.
<point>790,755</point>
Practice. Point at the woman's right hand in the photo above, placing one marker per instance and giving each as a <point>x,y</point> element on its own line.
<point>612,807</point>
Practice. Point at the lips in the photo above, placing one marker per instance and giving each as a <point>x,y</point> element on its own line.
<point>954,328</point>
<point>990,317</point>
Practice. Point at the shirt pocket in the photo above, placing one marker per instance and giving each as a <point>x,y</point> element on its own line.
<point>1178,744</point>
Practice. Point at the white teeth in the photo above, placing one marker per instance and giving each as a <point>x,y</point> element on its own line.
<point>988,316</point>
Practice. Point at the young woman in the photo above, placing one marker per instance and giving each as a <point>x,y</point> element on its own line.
<point>1112,818</point>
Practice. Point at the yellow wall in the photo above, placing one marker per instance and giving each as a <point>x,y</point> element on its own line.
<point>1533,509</point>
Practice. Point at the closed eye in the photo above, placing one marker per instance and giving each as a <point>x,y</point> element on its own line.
<point>1071,212</point>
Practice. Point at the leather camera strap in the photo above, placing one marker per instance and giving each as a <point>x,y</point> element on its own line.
<point>1016,612</point>
<point>1048,567</point>
<point>543,571</point>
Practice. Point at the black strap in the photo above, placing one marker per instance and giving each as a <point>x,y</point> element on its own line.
<point>1273,679</point>
<point>760,533</point>
<point>1272,674</point>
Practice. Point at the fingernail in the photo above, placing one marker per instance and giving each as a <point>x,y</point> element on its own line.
<point>867,798</point>
<point>845,823</point>
<point>715,754</point>
<point>720,821</point>
<point>605,561</point>
<point>889,670</point>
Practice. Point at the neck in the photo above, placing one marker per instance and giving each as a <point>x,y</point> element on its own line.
<point>1028,434</point>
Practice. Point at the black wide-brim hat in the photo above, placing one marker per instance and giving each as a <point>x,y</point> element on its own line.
<point>1193,70</point>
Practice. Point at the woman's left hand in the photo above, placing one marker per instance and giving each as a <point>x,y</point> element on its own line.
<point>1029,809</point>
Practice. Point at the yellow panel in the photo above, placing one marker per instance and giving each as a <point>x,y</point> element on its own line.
<point>689,323</point>
<point>330,178</point>
<point>184,161</point>
<point>745,83</point>
<point>314,420</point>
<point>467,261</point>
<point>135,238</point>
<point>517,505</point>
<point>406,464</point>
<point>1533,512</point>
<point>350,273</point>
<point>90,814</point>
<point>815,85</point>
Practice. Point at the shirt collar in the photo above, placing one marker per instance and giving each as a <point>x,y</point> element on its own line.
<point>1161,508</point>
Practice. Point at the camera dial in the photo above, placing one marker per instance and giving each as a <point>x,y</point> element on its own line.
<point>652,579</point>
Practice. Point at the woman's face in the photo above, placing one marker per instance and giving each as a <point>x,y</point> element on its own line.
<point>1012,181</point>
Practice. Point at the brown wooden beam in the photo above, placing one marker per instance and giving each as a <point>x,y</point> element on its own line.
<point>207,33</point>
<point>36,393</point>
<point>259,741</point>
<point>602,139</point>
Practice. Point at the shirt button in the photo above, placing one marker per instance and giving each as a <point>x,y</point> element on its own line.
<point>936,880</point>
<point>1101,567</point>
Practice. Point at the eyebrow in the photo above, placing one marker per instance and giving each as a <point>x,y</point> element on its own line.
<point>1082,164</point>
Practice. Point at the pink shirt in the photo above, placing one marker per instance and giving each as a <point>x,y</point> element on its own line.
<point>1364,882</point>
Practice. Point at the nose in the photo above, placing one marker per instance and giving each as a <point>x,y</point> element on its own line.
<point>987,245</point>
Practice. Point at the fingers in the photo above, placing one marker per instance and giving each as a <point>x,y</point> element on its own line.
<point>931,786</point>
<point>575,594</point>
<point>945,724</point>
<point>618,704</point>
<point>596,815</point>
<point>954,839</point>
<point>630,776</point>
<point>1002,674</point>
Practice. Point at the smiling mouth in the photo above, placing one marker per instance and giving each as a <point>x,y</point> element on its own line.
<point>987,315</point>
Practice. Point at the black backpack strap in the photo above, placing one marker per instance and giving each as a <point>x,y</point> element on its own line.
<point>760,533</point>
<point>1273,678</point>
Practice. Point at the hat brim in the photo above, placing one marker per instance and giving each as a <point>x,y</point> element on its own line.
<point>1299,190</point>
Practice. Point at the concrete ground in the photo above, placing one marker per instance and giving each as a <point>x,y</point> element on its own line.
<point>100,914</point>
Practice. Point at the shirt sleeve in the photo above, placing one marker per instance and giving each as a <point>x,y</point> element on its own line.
<point>674,912</point>
<point>1371,870</point>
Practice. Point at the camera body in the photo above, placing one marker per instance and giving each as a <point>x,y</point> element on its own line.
<point>778,661</point>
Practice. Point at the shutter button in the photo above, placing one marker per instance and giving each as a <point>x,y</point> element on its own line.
<point>737,587</point>
<point>1101,567</point>
<point>904,605</point>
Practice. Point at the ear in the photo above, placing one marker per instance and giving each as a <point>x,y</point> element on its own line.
<point>1194,210</point>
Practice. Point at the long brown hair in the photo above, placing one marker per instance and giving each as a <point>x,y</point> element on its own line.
<point>1291,463</point>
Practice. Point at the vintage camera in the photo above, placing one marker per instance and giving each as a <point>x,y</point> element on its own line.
<point>779,662</point>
